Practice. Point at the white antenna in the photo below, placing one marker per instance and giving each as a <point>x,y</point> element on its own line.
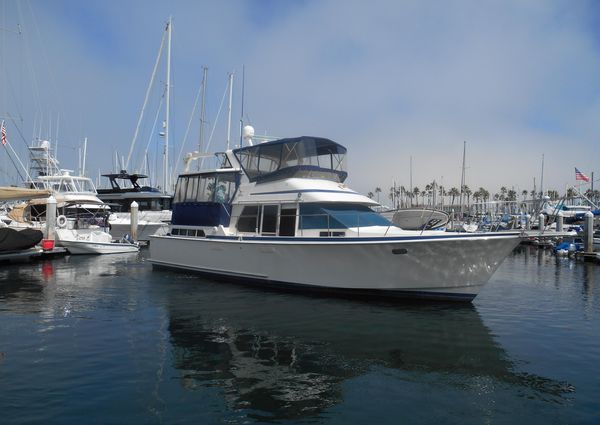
<point>229,109</point>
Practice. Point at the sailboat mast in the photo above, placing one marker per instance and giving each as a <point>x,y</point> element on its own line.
<point>202,111</point>
<point>462,177</point>
<point>229,109</point>
<point>542,179</point>
<point>166,157</point>
<point>410,189</point>
<point>242,111</point>
<point>84,156</point>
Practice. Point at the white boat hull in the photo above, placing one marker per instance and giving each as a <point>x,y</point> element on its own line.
<point>91,241</point>
<point>149,223</point>
<point>440,267</point>
<point>85,247</point>
<point>144,230</point>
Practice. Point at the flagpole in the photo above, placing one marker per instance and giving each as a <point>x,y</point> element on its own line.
<point>5,143</point>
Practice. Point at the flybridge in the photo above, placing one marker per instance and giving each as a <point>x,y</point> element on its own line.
<point>304,157</point>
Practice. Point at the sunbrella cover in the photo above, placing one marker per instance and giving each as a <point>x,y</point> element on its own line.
<point>15,240</point>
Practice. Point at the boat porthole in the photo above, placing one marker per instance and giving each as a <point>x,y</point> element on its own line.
<point>399,251</point>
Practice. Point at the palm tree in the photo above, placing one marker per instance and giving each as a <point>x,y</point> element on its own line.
<point>571,194</point>
<point>415,192</point>
<point>468,192</point>
<point>524,193</point>
<point>370,195</point>
<point>503,192</point>
<point>454,192</point>
<point>377,191</point>
<point>442,192</point>
<point>426,191</point>
<point>512,195</point>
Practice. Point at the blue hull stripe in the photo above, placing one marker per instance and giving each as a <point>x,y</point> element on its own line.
<point>345,239</point>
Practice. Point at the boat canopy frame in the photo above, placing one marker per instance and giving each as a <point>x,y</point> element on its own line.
<point>305,156</point>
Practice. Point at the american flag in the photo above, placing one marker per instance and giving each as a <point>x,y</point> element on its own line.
<point>580,176</point>
<point>4,141</point>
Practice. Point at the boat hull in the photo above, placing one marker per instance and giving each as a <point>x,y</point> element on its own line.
<point>440,267</point>
<point>85,247</point>
<point>144,230</point>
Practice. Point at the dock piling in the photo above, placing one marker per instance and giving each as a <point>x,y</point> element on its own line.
<point>588,230</point>
<point>134,220</point>
<point>50,218</point>
<point>559,221</point>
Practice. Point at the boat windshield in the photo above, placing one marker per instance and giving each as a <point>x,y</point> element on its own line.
<point>68,184</point>
<point>339,216</point>
<point>304,157</point>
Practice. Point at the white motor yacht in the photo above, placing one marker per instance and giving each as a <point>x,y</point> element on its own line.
<point>279,213</point>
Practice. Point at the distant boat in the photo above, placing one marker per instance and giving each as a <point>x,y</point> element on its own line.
<point>92,241</point>
<point>154,206</point>
<point>417,218</point>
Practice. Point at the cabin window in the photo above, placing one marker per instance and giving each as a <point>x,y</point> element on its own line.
<point>192,189</point>
<point>270,157</point>
<point>206,189</point>
<point>339,216</point>
<point>269,219</point>
<point>287,222</point>
<point>249,219</point>
<point>180,189</point>
<point>225,187</point>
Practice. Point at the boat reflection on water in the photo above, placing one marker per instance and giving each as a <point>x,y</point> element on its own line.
<point>287,356</point>
<point>49,285</point>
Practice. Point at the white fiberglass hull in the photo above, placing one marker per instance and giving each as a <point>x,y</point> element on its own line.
<point>85,247</point>
<point>91,241</point>
<point>149,223</point>
<point>144,230</point>
<point>441,267</point>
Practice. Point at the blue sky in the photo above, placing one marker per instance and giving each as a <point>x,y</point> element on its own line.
<point>387,79</point>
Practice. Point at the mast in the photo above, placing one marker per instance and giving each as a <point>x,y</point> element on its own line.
<point>542,180</point>
<point>242,112</point>
<point>229,109</point>
<point>462,177</point>
<point>147,96</point>
<point>202,111</point>
<point>410,189</point>
<point>166,158</point>
<point>84,155</point>
<point>203,108</point>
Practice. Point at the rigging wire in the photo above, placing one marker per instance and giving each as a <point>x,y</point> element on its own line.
<point>158,110</point>
<point>187,130</point>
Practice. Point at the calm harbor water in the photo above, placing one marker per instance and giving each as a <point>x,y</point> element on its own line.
<point>106,340</point>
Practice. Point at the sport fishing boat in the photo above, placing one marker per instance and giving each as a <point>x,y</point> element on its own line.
<point>279,213</point>
<point>154,205</point>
